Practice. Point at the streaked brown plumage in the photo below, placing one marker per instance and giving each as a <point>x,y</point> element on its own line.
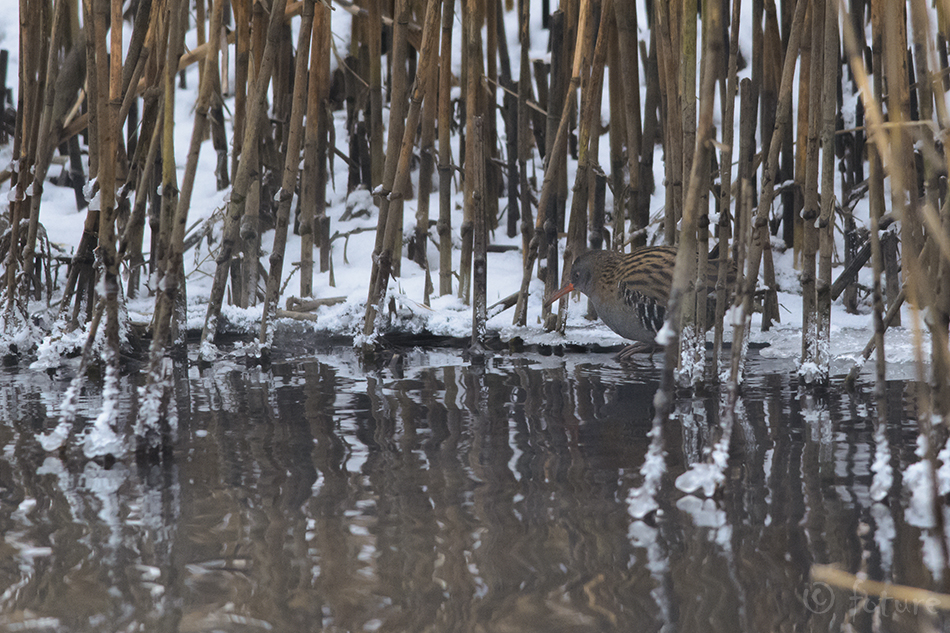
<point>630,290</point>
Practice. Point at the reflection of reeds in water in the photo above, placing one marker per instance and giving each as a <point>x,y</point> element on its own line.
<point>463,498</point>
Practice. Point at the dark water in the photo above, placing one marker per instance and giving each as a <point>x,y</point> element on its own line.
<point>437,495</point>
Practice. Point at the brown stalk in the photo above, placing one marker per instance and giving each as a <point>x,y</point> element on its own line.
<point>669,71</point>
<point>291,168</point>
<point>472,55</point>
<point>591,91</point>
<point>373,25</point>
<point>314,223</point>
<point>759,224</point>
<point>552,164</point>
<point>28,120</point>
<point>524,146</point>
<point>397,178</point>
<point>684,273</point>
<point>725,181</point>
<point>626,17</point>
<point>444,225</point>
<point>811,210</point>
<point>832,65</point>
<point>420,240</point>
<point>479,212</point>
<point>44,150</point>
<point>243,176</point>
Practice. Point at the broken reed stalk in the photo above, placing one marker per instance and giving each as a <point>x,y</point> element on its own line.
<point>552,163</point>
<point>291,168</point>
<point>591,90</point>
<point>444,225</point>
<point>397,180</point>
<point>242,178</point>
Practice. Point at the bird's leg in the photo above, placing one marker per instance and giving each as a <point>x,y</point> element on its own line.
<point>636,348</point>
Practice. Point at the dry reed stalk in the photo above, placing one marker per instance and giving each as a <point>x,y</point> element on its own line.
<point>477,177</point>
<point>109,82</point>
<point>509,112</point>
<point>397,180</point>
<point>473,72</point>
<point>242,179</point>
<point>291,168</point>
<point>372,32</point>
<point>171,269</point>
<point>939,228</point>
<point>688,50</point>
<point>878,152</point>
<point>444,225</point>
<point>832,66</point>
<point>488,104</point>
<point>858,584</point>
<point>130,246</point>
<point>25,139</point>
<point>725,183</point>
<point>524,132</point>
<point>384,243</point>
<point>314,222</point>
<point>683,288</point>
<point>242,60</point>
<point>420,241</point>
<point>44,153</point>
<point>625,14</point>
<point>814,32</point>
<point>552,164</point>
<point>649,140</point>
<point>591,90</point>
<point>759,224</point>
<point>671,100</point>
<point>165,324</point>
<point>552,214</point>
<point>617,137</point>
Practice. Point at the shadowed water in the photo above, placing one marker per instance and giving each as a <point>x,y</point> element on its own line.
<point>438,495</point>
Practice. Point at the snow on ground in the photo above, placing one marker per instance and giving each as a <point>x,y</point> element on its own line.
<point>351,251</point>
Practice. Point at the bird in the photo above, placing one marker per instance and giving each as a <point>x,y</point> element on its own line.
<point>630,291</point>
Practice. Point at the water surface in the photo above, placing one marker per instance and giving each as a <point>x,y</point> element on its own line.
<point>437,494</point>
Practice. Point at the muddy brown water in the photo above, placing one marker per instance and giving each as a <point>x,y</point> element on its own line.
<point>437,494</point>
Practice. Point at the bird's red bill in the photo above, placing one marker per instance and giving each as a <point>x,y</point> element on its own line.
<point>560,293</point>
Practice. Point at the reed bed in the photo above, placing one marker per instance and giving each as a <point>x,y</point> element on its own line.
<point>870,112</point>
